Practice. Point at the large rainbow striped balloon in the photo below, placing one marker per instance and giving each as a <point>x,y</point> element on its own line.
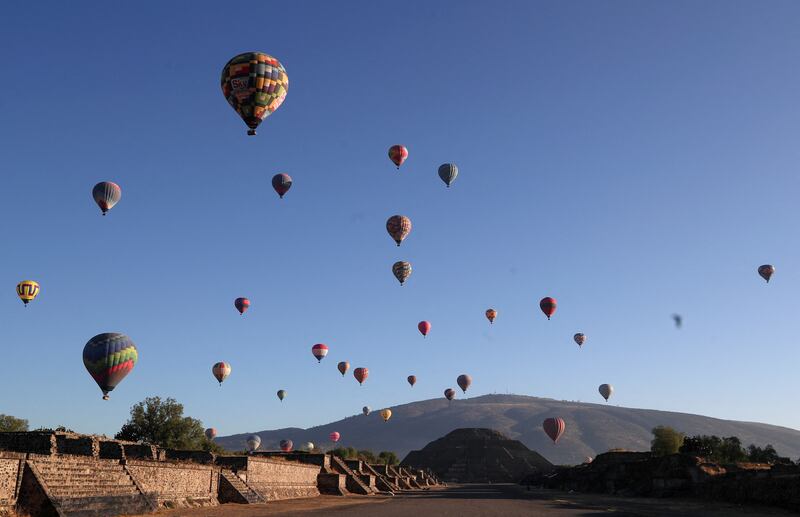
<point>109,357</point>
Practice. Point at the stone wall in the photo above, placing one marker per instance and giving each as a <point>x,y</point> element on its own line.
<point>278,478</point>
<point>193,456</point>
<point>34,442</point>
<point>176,484</point>
<point>10,465</point>
<point>79,445</point>
<point>139,451</point>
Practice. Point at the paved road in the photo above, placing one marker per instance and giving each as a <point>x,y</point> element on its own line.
<point>479,501</point>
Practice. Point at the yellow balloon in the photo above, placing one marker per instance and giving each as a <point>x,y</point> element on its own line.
<point>27,290</point>
<point>386,414</point>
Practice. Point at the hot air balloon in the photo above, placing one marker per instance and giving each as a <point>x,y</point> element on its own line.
<point>448,173</point>
<point>579,338</point>
<point>401,270</point>
<point>253,442</point>
<point>221,371</point>
<point>548,306</point>
<point>109,357</point>
<point>319,351</point>
<point>606,390</point>
<point>386,414</point>
<point>211,433</point>
<point>766,271</point>
<point>281,183</point>
<point>398,154</point>
<point>343,367</point>
<point>281,394</point>
<point>588,460</point>
<point>412,380</point>
<point>464,382</point>
<point>366,410</point>
<point>398,226</point>
<point>424,327</point>
<point>361,374</point>
<point>678,320</point>
<point>255,85</point>
<point>309,446</point>
<point>554,428</point>
<point>449,393</point>
<point>241,304</point>
<point>286,445</point>
<point>334,436</point>
<point>27,290</point>
<point>106,194</point>
<point>491,314</point>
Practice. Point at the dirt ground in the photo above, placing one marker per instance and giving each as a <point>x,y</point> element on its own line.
<point>481,500</point>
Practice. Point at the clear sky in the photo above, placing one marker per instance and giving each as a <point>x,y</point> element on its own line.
<point>631,158</point>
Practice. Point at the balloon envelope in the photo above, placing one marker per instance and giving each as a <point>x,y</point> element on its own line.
<point>253,442</point>
<point>27,290</point>
<point>281,394</point>
<point>106,194</point>
<point>491,314</point>
<point>398,154</point>
<point>361,374</point>
<point>343,366</point>
<point>221,371</point>
<point>366,410</point>
<point>464,382</point>
<point>401,270</point>
<point>319,351</point>
<point>241,304</point>
<point>309,446</point>
<point>606,390</point>
<point>548,306</point>
<point>412,380</point>
<point>579,338</point>
<point>424,327</point>
<point>286,445</point>
<point>108,358</point>
<point>398,226</point>
<point>255,85</point>
<point>334,436</point>
<point>449,393</point>
<point>554,428</point>
<point>386,414</point>
<point>281,183</point>
<point>211,433</point>
<point>766,271</point>
<point>448,173</point>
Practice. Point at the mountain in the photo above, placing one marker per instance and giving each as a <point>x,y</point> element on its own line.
<point>590,428</point>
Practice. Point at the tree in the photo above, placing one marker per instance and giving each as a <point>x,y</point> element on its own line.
<point>346,453</point>
<point>388,458</point>
<point>666,440</point>
<point>162,423</point>
<point>12,424</point>
<point>366,455</point>
<point>714,448</point>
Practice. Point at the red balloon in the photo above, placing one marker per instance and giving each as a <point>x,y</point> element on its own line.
<point>320,351</point>
<point>398,154</point>
<point>548,306</point>
<point>361,374</point>
<point>554,427</point>
<point>286,445</point>
<point>412,380</point>
<point>424,327</point>
<point>334,436</point>
<point>241,304</point>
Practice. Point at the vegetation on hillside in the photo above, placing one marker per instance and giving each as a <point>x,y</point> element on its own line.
<point>350,453</point>
<point>9,424</point>
<point>667,440</point>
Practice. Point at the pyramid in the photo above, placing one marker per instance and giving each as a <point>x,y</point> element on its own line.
<point>475,455</point>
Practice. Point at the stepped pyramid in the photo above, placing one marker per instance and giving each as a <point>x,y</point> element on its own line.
<point>477,455</point>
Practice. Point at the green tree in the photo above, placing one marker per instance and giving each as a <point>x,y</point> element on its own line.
<point>714,448</point>
<point>766,455</point>
<point>10,424</point>
<point>388,458</point>
<point>161,422</point>
<point>346,453</point>
<point>666,440</point>
<point>366,455</point>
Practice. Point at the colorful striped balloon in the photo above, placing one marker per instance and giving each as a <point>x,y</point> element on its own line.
<point>401,270</point>
<point>255,85</point>
<point>361,374</point>
<point>319,351</point>
<point>398,226</point>
<point>554,428</point>
<point>106,194</point>
<point>108,358</point>
<point>27,290</point>
<point>221,371</point>
<point>548,306</point>
<point>334,436</point>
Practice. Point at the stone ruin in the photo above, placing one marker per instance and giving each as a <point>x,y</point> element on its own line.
<point>474,455</point>
<point>57,474</point>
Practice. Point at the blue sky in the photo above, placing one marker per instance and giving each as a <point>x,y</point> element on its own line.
<point>632,159</point>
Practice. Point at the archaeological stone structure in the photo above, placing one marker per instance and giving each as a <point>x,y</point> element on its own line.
<point>56,474</point>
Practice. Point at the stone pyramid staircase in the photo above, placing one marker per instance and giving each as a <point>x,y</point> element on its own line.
<point>87,487</point>
<point>354,483</point>
<point>248,495</point>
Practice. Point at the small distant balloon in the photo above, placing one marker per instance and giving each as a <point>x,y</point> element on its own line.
<point>606,390</point>
<point>448,172</point>
<point>464,381</point>
<point>491,314</point>
<point>343,366</point>
<point>106,194</point>
<point>386,414</point>
<point>281,183</point>
<point>424,327</point>
<point>554,428</point>
<point>548,306</point>
<point>286,445</point>
<point>221,371</point>
<point>334,436</point>
<point>27,290</point>
<point>241,304</point>
<point>309,446</point>
<point>319,351</point>
<point>361,374</point>
<point>253,442</point>
<point>401,270</point>
<point>678,320</point>
<point>366,410</point>
<point>398,226</point>
<point>412,380</point>
<point>579,338</point>
<point>398,154</point>
<point>211,433</point>
<point>449,393</point>
<point>281,394</point>
<point>766,271</point>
